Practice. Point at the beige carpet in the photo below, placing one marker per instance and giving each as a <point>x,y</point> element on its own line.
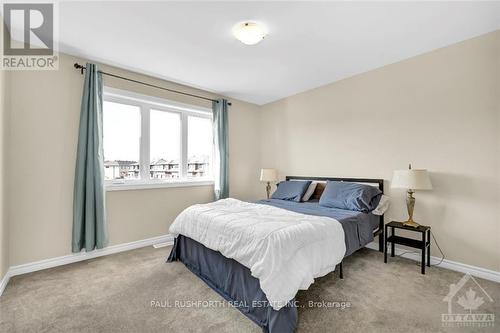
<point>115,293</point>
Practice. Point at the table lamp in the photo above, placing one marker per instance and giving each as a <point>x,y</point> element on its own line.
<point>268,175</point>
<point>411,180</point>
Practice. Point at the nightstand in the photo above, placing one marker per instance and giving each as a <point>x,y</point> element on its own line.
<point>424,243</point>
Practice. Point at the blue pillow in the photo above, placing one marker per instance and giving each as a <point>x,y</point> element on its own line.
<point>291,190</point>
<point>350,196</point>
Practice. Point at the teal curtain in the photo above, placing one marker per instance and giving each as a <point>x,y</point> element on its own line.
<point>89,213</point>
<point>221,155</point>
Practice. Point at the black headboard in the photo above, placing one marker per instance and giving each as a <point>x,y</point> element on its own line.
<point>379,182</point>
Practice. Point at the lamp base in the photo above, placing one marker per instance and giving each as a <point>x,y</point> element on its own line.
<point>268,190</point>
<point>410,204</point>
<point>411,223</point>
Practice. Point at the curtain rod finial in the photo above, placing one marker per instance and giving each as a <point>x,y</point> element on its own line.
<point>78,66</point>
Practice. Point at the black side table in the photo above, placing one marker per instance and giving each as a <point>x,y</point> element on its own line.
<point>424,244</point>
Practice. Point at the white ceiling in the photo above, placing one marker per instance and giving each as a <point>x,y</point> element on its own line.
<point>309,43</point>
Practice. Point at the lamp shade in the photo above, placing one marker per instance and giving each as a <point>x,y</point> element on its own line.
<point>412,179</point>
<point>268,175</point>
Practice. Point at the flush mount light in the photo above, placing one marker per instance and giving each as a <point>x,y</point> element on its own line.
<point>249,33</point>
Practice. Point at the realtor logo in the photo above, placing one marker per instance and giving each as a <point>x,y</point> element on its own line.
<point>29,32</point>
<point>466,297</point>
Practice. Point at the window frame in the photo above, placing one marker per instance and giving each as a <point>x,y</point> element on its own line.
<point>147,103</point>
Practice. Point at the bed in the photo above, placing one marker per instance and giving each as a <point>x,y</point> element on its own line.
<point>234,281</point>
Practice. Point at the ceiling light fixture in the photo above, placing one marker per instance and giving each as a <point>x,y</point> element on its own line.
<point>249,33</point>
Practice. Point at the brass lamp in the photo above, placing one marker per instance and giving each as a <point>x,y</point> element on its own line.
<point>268,175</point>
<point>411,180</point>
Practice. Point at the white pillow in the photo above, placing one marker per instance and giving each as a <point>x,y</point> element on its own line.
<point>310,191</point>
<point>383,205</point>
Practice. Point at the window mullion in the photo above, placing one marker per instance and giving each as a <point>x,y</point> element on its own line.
<point>145,142</point>
<point>184,144</point>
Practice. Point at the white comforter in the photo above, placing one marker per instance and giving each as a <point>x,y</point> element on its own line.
<point>283,249</point>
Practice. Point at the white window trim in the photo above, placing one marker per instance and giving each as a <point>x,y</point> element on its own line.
<point>143,185</point>
<point>145,103</point>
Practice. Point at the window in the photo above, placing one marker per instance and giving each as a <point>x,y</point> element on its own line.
<point>151,142</point>
<point>199,147</point>
<point>165,141</point>
<point>122,133</point>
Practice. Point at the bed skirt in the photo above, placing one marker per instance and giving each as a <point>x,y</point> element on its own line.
<point>235,284</point>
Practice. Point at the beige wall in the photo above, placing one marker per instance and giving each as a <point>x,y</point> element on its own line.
<point>43,135</point>
<point>4,240</point>
<point>498,143</point>
<point>439,111</point>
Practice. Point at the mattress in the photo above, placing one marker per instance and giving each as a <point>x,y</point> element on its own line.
<point>234,282</point>
<point>358,226</point>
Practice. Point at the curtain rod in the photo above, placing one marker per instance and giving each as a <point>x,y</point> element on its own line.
<point>82,68</point>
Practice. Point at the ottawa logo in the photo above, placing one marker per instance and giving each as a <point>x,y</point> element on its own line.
<point>464,300</point>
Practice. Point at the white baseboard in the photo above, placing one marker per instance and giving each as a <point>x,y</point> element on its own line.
<point>3,282</point>
<point>164,244</point>
<point>169,239</point>
<point>480,272</point>
<point>75,257</point>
